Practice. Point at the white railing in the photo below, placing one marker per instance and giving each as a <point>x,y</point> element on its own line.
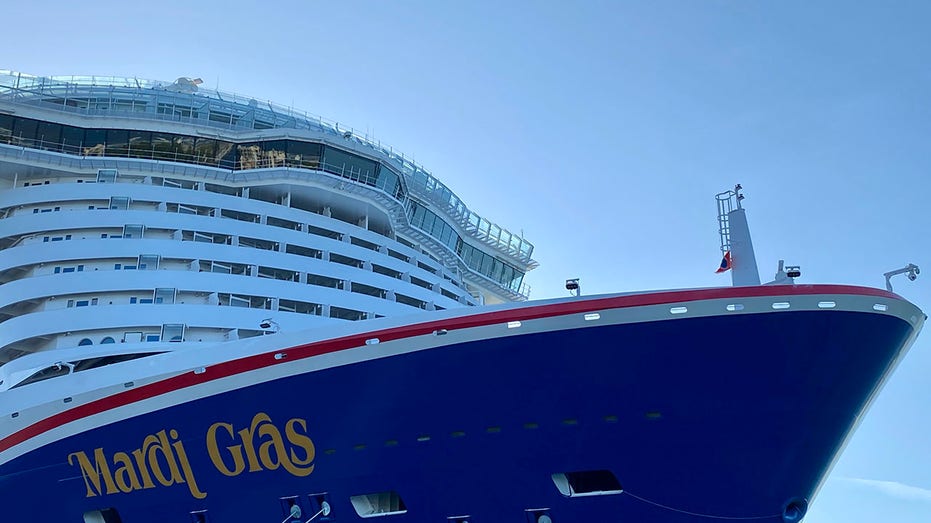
<point>27,89</point>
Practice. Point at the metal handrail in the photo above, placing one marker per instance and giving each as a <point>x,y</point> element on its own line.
<point>72,159</point>
<point>22,88</point>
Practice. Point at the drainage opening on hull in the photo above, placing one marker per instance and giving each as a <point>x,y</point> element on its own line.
<point>199,516</point>
<point>105,515</point>
<point>587,483</point>
<point>378,504</point>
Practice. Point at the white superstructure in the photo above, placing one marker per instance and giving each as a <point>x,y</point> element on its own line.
<point>158,214</point>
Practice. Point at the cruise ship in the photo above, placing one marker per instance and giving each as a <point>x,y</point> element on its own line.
<point>215,309</point>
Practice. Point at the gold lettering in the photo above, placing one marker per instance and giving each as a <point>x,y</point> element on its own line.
<point>298,466</point>
<point>246,436</point>
<point>155,446</point>
<point>125,476</point>
<point>274,442</point>
<point>213,449</point>
<point>163,460</point>
<point>93,474</point>
<point>186,467</point>
<point>139,456</point>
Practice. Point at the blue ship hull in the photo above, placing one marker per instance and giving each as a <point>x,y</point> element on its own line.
<point>722,416</point>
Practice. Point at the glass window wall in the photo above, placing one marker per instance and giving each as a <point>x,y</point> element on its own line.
<point>205,151</point>
<point>48,135</point>
<point>140,144</point>
<point>163,146</point>
<point>24,131</point>
<point>303,154</point>
<point>199,150</point>
<point>274,153</point>
<point>6,128</point>
<point>95,142</point>
<point>350,166</point>
<point>72,138</point>
<point>117,142</point>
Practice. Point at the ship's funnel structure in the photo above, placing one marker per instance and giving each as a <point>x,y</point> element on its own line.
<point>735,238</point>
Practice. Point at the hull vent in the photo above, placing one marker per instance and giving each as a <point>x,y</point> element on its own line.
<point>587,483</point>
<point>379,504</point>
<point>107,515</point>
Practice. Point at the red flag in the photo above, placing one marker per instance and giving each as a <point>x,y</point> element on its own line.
<point>725,263</point>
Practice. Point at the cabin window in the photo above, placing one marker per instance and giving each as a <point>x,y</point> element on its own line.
<point>164,296</point>
<point>148,262</point>
<point>120,203</point>
<point>132,337</point>
<point>133,231</point>
<point>106,175</point>
<point>173,332</point>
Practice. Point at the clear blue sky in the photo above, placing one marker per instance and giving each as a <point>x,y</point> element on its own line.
<point>603,131</point>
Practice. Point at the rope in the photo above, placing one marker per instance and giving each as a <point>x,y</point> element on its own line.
<point>698,514</point>
<point>321,511</point>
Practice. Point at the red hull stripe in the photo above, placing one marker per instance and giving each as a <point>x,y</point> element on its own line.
<point>259,361</point>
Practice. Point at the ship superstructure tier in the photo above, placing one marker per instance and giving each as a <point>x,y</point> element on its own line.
<point>136,211</point>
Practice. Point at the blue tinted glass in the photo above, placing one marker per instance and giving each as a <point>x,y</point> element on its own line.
<point>24,130</point>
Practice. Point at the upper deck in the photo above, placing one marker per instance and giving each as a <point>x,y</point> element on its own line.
<point>185,101</point>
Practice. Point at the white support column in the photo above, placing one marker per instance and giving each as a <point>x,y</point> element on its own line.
<point>745,272</point>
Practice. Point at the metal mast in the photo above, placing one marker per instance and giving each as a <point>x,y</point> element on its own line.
<point>735,238</point>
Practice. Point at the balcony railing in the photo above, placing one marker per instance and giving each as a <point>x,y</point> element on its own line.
<point>137,98</point>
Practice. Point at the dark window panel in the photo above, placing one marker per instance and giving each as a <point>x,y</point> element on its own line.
<point>184,148</point>
<point>223,150</point>
<point>303,154</point>
<point>226,152</point>
<point>348,165</point>
<point>24,131</point>
<point>140,144</point>
<point>163,147</point>
<point>6,128</point>
<point>95,142</point>
<point>205,151</point>
<point>72,138</point>
<point>117,142</point>
<point>48,134</point>
<point>273,153</point>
